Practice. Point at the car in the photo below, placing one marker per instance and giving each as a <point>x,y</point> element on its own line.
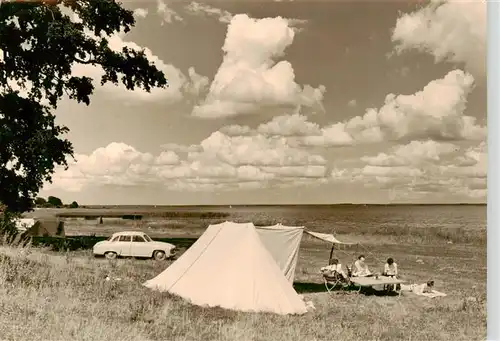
<point>133,244</point>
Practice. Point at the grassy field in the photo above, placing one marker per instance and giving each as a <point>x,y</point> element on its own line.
<point>50,296</point>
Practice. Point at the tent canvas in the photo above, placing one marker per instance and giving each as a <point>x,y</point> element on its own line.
<point>229,267</point>
<point>24,224</point>
<point>283,242</point>
<point>46,228</point>
<point>330,238</point>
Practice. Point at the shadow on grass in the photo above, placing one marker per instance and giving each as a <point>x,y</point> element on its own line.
<point>310,288</point>
<point>372,292</point>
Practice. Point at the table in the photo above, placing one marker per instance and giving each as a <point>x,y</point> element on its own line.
<point>371,281</point>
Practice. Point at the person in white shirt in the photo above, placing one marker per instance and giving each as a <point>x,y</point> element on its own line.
<point>361,268</point>
<point>390,268</point>
<point>334,267</point>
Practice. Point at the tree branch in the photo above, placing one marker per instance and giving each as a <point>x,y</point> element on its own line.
<point>90,61</point>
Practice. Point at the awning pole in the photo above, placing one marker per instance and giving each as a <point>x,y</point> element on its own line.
<point>331,252</point>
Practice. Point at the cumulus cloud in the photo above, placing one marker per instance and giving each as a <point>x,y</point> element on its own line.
<point>257,160</point>
<point>450,30</point>
<point>249,78</point>
<point>167,14</point>
<point>179,148</point>
<point>256,150</point>
<point>436,112</point>
<point>196,84</point>
<point>114,164</point>
<point>421,168</point>
<point>411,168</point>
<point>200,9</point>
<point>218,162</point>
<point>289,125</point>
<point>180,85</point>
<point>413,153</point>
<point>236,130</point>
<point>472,164</point>
<point>197,8</point>
<point>141,13</point>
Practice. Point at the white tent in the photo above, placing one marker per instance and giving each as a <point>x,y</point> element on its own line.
<point>283,242</point>
<point>229,266</point>
<point>23,224</point>
<point>40,227</point>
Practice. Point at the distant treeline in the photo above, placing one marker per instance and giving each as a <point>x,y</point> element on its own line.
<point>87,242</point>
<point>53,202</point>
<point>140,215</point>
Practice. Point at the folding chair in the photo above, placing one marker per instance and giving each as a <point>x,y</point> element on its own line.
<point>334,279</point>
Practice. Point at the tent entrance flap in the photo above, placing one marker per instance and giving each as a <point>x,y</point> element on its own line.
<point>283,242</point>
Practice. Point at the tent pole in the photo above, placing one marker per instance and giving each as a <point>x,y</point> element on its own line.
<point>331,252</point>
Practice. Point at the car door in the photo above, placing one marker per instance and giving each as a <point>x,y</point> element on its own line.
<point>113,245</point>
<point>139,247</point>
<point>124,244</point>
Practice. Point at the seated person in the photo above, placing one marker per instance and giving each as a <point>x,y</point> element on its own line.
<point>390,268</point>
<point>361,268</point>
<point>334,268</point>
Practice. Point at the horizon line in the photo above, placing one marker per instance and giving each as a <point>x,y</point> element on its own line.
<point>335,204</point>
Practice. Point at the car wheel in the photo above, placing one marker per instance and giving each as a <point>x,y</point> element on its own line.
<point>110,255</point>
<point>159,255</point>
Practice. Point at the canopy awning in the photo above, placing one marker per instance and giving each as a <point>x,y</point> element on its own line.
<point>327,237</point>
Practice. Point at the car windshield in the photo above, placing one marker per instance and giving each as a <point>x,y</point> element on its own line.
<point>147,238</point>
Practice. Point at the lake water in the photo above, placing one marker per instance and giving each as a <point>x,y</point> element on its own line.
<point>363,217</point>
<point>329,218</point>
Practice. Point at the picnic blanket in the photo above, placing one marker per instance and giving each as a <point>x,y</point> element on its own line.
<point>433,294</point>
<point>418,289</point>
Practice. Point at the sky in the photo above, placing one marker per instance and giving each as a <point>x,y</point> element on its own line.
<point>288,102</point>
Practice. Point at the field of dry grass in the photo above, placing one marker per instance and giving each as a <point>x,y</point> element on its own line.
<point>49,296</point>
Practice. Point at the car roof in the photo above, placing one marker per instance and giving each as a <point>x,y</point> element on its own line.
<point>129,233</point>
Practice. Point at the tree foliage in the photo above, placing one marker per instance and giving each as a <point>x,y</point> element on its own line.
<point>74,204</point>
<point>40,202</point>
<point>54,201</point>
<point>8,226</point>
<point>40,43</point>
